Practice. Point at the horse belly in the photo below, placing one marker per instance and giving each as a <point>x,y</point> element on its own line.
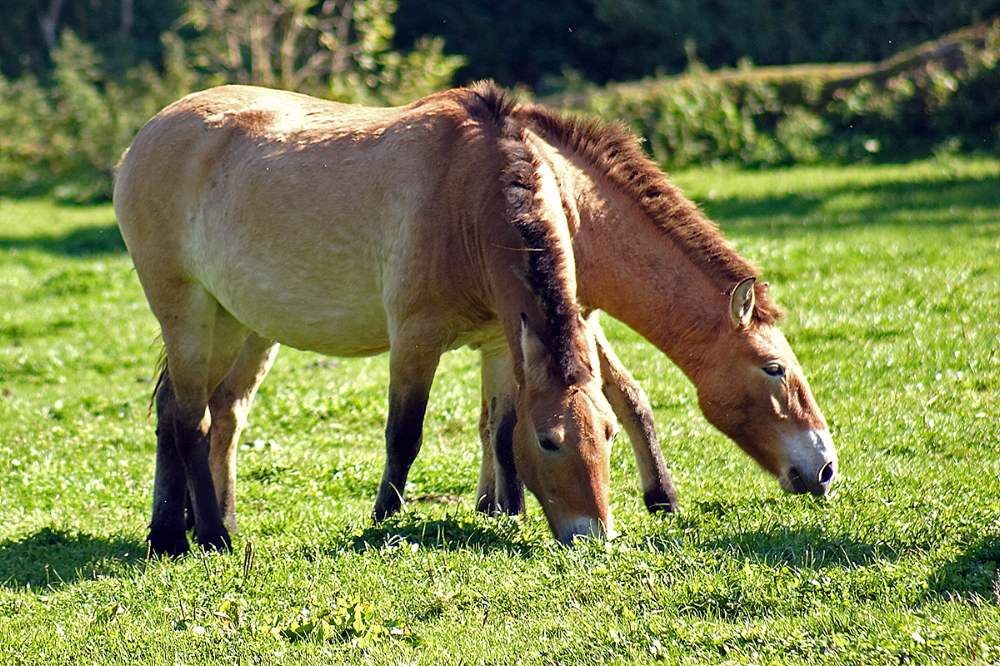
<point>309,292</point>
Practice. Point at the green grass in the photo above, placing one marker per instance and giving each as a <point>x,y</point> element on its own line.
<point>891,279</point>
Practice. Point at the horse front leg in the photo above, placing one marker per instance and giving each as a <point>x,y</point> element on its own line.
<point>498,436</point>
<point>631,406</point>
<point>412,363</point>
<point>486,487</point>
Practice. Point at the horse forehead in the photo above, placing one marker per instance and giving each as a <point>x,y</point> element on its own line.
<point>767,341</point>
<point>588,403</point>
<point>579,407</point>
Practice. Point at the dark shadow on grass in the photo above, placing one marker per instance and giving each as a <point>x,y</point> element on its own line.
<point>503,535</point>
<point>54,558</point>
<point>886,208</point>
<point>974,572</point>
<point>809,548</point>
<point>82,241</point>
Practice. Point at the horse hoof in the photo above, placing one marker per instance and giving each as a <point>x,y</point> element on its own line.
<point>163,544</point>
<point>385,510</point>
<point>218,541</point>
<point>659,501</point>
<point>486,505</point>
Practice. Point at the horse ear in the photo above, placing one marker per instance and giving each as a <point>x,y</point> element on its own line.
<point>534,355</point>
<point>741,303</point>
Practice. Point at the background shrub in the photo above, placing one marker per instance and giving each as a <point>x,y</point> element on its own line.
<point>65,132</point>
<point>942,93</point>
<point>70,104</point>
<point>518,42</point>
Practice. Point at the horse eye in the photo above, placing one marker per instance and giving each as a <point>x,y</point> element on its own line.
<point>774,369</point>
<point>548,443</point>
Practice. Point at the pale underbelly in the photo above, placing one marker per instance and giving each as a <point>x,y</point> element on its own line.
<point>333,307</point>
<point>324,326</point>
<point>334,320</point>
<point>322,287</point>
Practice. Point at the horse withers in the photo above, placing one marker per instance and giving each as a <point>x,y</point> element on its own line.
<point>256,217</point>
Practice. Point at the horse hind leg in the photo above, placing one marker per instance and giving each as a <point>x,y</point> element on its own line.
<point>167,530</point>
<point>229,407</point>
<point>201,342</point>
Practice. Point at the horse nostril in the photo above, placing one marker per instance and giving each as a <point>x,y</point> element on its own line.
<point>825,473</point>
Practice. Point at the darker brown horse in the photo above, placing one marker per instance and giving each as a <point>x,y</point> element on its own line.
<point>648,256</point>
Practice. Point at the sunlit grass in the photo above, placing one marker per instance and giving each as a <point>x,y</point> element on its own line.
<point>890,276</point>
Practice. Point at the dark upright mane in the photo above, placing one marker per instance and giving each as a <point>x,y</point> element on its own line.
<point>547,261</point>
<point>616,153</point>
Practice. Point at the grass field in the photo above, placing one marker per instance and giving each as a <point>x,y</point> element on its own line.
<point>891,279</point>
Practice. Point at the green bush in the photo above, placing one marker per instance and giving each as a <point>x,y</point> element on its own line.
<point>67,133</point>
<point>337,50</point>
<point>24,147</point>
<point>939,100</point>
<point>516,42</point>
<point>943,93</point>
<point>68,136</point>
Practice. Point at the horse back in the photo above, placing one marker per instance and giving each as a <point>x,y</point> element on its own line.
<point>307,220</point>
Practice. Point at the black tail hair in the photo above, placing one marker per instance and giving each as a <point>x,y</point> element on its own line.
<point>161,376</point>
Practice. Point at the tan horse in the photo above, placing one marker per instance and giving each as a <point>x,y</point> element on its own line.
<point>255,217</point>
<point>647,256</point>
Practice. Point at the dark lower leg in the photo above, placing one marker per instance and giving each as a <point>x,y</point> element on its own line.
<point>658,484</point>
<point>192,446</point>
<point>509,489</point>
<point>167,533</point>
<point>632,408</point>
<point>403,436</point>
<point>188,510</point>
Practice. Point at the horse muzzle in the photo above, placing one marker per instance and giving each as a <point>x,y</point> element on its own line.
<point>811,464</point>
<point>568,529</point>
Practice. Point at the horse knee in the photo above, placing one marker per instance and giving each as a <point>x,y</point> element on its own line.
<point>227,417</point>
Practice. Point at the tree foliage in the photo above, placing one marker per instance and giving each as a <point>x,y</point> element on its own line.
<point>77,80</point>
<point>938,97</point>
<point>123,33</point>
<point>336,48</point>
<point>68,128</point>
<point>615,40</point>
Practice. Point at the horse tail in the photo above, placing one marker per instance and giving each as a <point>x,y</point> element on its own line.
<point>161,376</point>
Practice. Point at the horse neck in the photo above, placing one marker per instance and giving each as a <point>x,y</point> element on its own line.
<point>630,268</point>
<point>530,253</point>
<point>503,254</point>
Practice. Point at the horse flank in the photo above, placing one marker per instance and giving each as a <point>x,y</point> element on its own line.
<point>616,153</point>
